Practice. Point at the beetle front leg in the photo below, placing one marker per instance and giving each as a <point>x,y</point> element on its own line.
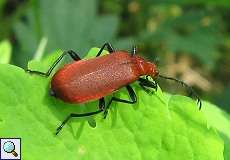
<point>132,95</point>
<point>145,84</point>
<point>109,47</point>
<point>73,55</point>
<point>72,115</point>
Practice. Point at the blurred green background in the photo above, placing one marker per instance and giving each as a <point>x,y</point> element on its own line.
<point>188,39</point>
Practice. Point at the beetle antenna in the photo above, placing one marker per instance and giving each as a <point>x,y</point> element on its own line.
<point>156,60</point>
<point>189,88</point>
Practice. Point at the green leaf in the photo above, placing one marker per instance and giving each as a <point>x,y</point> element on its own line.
<point>66,25</point>
<point>205,42</point>
<point>220,120</point>
<point>2,3</point>
<point>189,34</point>
<point>213,3</point>
<point>5,51</point>
<point>157,127</point>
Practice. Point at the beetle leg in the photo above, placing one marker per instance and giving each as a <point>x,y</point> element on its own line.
<point>132,95</point>
<point>147,90</point>
<point>102,103</point>
<point>72,115</point>
<point>134,51</point>
<point>145,84</point>
<point>73,55</point>
<point>109,47</point>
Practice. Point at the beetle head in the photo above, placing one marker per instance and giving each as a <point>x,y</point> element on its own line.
<point>147,68</point>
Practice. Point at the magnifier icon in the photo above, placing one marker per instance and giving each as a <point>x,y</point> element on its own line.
<point>9,147</point>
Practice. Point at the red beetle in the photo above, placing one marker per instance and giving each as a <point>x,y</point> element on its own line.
<point>93,79</point>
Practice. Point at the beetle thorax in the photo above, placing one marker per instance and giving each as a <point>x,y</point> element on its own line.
<point>146,68</point>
